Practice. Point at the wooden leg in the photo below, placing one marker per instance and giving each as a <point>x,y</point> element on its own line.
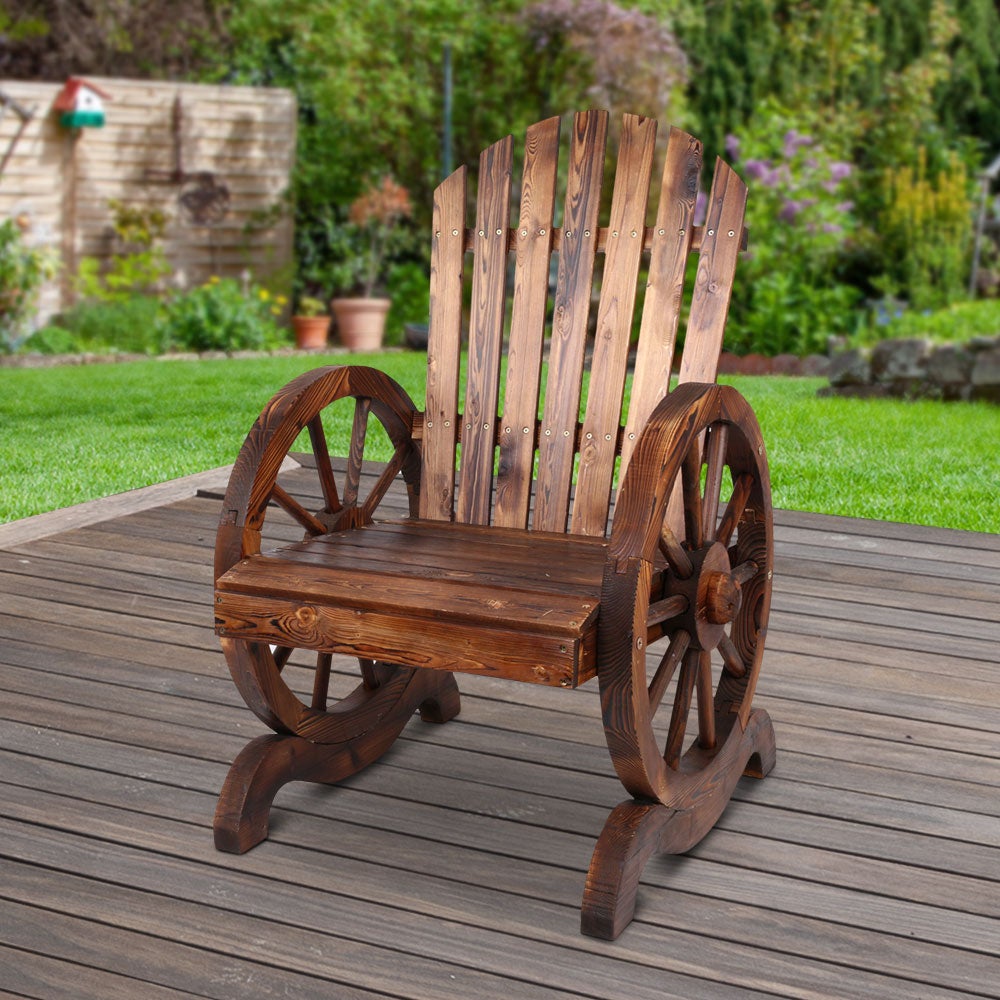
<point>269,762</point>
<point>636,830</point>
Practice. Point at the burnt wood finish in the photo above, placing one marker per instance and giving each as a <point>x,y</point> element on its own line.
<point>510,563</point>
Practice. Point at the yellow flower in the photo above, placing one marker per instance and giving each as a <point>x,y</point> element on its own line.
<point>214,280</point>
<point>264,294</point>
<point>282,300</point>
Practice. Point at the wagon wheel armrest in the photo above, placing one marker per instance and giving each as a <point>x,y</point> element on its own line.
<point>297,407</point>
<point>641,513</point>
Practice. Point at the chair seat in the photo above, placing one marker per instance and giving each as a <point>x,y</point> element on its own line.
<point>512,603</point>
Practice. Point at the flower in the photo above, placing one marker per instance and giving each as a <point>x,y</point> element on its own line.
<point>732,146</point>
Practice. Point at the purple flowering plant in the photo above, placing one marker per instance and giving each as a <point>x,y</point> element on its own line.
<point>800,214</point>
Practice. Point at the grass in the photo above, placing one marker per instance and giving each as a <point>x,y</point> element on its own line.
<point>75,433</point>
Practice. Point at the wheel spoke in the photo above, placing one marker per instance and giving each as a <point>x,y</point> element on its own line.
<point>679,560</point>
<point>665,671</point>
<point>682,705</point>
<point>323,466</point>
<point>669,607</point>
<point>716,464</point>
<point>745,572</point>
<point>731,658</point>
<point>706,701</point>
<point>288,503</point>
<point>321,681</point>
<point>734,509</point>
<point>385,480</point>
<point>691,485</point>
<point>356,454</point>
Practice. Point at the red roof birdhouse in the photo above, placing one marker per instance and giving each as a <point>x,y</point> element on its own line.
<point>81,104</point>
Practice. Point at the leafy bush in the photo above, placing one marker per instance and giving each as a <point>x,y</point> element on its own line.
<point>130,325</point>
<point>409,287</point>
<point>220,316</point>
<point>959,322</point>
<point>138,267</point>
<point>50,340</point>
<point>789,295</point>
<point>23,270</point>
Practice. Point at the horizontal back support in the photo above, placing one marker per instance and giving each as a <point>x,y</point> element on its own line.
<point>496,452</point>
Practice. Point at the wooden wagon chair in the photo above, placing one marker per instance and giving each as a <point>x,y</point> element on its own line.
<point>507,564</point>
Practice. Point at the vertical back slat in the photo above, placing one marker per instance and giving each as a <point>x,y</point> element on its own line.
<point>714,283</point>
<point>665,286</point>
<point>571,309</point>
<point>626,233</point>
<point>533,244</point>
<point>489,291</point>
<point>444,346</point>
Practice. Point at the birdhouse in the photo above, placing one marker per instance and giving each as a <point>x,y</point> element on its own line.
<point>80,104</point>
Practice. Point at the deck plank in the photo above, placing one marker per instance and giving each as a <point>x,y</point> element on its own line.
<point>866,865</point>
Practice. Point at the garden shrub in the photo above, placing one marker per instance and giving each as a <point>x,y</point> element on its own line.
<point>50,340</point>
<point>959,323</point>
<point>789,295</point>
<point>129,325</point>
<point>23,270</point>
<point>221,316</point>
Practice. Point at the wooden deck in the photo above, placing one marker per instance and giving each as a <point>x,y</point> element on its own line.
<point>866,865</point>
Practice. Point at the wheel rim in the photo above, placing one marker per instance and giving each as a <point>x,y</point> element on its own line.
<point>317,503</point>
<point>685,684</point>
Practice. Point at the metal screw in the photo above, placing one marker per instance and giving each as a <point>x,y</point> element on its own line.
<point>631,437</point>
<point>541,232</point>
<point>486,427</point>
<point>607,437</point>
<point>482,232</point>
<point>615,234</point>
<point>454,232</point>
<point>525,430</point>
<point>586,232</point>
<point>447,423</point>
<point>639,643</point>
<point>438,233</point>
<point>662,232</point>
<point>569,234</point>
<point>548,433</point>
<point>524,232</point>
<point>732,232</point>
<point>711,232</point>
<point>430,423</point>
<point>680,232</point>
<point>634,234</point>
<point>499,232</point>
<point>565,434</point>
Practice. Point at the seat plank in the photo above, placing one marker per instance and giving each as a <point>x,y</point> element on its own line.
<point>444,348</point>
<point>532,249</point>
<point>614,324</point>
<point>489,292</point>
<point>569,320</point>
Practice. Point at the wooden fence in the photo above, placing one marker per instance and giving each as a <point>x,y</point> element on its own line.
<point>215,159</point>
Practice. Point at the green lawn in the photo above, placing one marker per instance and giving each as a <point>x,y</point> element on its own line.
<point>75,433</point>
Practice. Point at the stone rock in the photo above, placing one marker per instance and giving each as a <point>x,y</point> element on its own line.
<point>850,368</point>
<point>815,364</point>
<point>899,362</point>
<point>985,377</point>
<point>876,391</point>
<point>983,343</point>
<point>785,364</point>
<point>949,368</point>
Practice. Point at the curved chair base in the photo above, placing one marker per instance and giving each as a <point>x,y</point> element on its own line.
<point>636,830</point>
<point>269,762</point>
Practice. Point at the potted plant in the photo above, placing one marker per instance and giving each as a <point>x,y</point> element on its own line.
<point>310,323</point>
<point>372,234</point>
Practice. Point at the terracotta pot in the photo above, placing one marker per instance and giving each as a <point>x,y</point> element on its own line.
<point>361,322</point>
<point>310,331</point>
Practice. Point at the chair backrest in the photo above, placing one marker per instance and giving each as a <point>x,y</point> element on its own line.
<point>498,449</point>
